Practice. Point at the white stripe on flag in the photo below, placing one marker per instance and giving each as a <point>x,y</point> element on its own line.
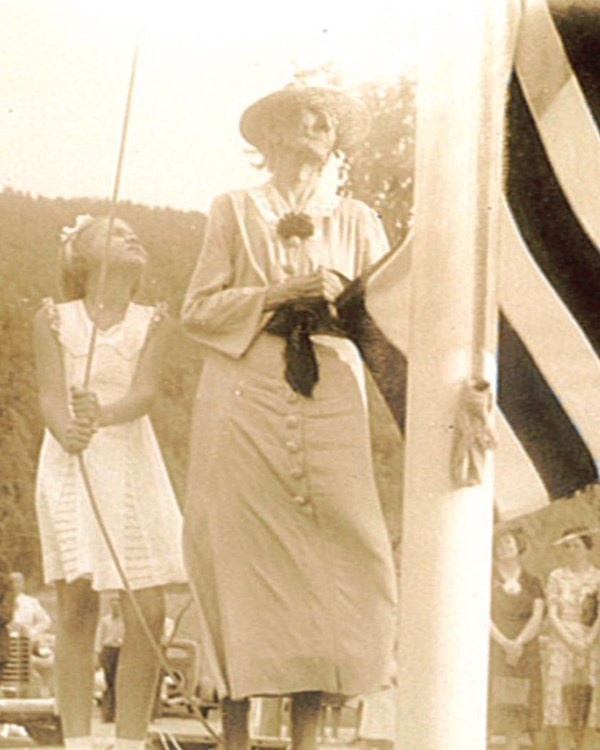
<point>518,488</point>
<point>561,114</point>
<point>552,336</point>
<point>387,295</point>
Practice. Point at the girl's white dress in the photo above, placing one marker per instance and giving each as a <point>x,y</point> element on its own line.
<point>125,465</point>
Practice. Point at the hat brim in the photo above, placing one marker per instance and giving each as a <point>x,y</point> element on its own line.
<point>575,535</point>
<point>351,116</point>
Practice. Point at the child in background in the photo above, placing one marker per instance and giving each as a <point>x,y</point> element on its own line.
<point>110,422</point>
<point>7,606</point>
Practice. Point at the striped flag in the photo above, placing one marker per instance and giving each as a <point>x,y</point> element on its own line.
<point>548,419</point>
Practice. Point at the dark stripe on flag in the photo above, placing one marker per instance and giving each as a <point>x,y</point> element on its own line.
<point>545,431</point>
<point>562,250</point>
<point>387,364</point>
<point>579,28</point>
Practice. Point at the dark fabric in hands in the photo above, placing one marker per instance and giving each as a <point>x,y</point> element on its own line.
<point>296,322</point>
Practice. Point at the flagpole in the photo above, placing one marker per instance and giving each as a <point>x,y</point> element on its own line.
<point>447,529</point>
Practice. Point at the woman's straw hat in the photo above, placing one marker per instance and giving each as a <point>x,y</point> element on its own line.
<point>575,533</point>
<point>351,116</point>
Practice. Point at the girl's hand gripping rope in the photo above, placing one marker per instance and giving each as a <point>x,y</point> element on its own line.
<point>77,435</point>
<point>86,410</point>
<point>85,406</point>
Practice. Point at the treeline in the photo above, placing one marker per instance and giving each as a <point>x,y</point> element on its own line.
<point>29,230</point>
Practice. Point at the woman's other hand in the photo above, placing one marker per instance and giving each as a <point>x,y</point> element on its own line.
<point>331,284</point>
<point>320,284</point>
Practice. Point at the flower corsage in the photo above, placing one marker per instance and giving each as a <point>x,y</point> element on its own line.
<point>295,224</point>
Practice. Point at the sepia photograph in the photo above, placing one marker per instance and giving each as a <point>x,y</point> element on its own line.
<point>299,381</point>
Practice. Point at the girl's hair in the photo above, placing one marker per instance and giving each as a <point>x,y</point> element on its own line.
<point>73,261</point>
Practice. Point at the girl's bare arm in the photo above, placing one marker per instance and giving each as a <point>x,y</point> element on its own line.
<point>72,433</point>
<point>143,390</point>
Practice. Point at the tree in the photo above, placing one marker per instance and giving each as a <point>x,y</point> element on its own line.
<point>380,172</point>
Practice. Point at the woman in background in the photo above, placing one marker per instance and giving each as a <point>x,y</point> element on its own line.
<point>7,608</point>
<point>515,670</point>
<point>572,697</point>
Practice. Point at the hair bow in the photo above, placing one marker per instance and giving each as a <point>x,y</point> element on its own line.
<point>69,234</point>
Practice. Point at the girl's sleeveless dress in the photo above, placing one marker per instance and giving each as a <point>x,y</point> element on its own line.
<point>125,465</point>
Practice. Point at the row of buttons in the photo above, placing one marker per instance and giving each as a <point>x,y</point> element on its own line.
<point>291,398</point>
<point>292,422</point>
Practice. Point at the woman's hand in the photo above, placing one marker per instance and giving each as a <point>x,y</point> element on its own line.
<point>321,284</point>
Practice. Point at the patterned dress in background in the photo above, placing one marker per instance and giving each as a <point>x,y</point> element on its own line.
<point>567,591</point>
<point>511,610</point>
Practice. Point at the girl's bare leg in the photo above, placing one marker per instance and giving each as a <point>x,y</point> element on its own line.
<point>306,709</point>
<point>138,668</point>
<point>235,723</point>
<point>78,609</point>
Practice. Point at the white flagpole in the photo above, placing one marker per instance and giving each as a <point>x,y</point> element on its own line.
<point>447,529</point>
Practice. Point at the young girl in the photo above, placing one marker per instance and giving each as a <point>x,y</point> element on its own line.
<point>110,423</point>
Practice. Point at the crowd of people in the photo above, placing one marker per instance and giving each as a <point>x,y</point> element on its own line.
<point>558,702</point>
<point>283,543</point>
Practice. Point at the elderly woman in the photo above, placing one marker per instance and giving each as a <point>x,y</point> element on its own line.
<point>515,669</point>
<point>572,695</point>
<point>285,539</point>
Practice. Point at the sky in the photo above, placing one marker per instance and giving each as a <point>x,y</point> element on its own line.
<point>65,67</point>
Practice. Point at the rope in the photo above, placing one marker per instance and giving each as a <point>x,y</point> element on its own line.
<point>96,308</point>
<point>474,433</point>
<point>187,696</point>
<point>97,304</point>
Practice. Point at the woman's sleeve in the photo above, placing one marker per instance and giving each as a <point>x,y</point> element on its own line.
<point>215,312</point>
<point>374,242</point>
